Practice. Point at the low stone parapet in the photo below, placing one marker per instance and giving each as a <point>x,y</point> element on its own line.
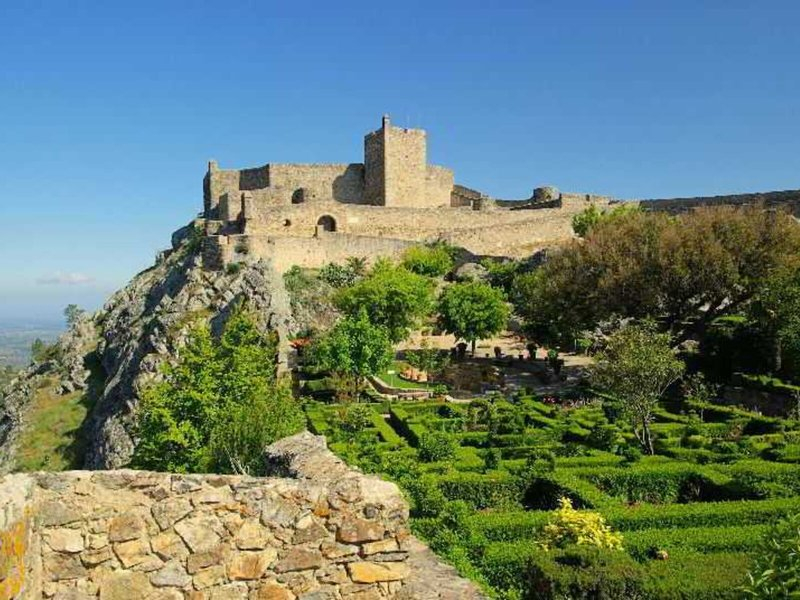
<point>317,530</point>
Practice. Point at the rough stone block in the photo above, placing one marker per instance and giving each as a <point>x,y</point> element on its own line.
<point>125,585</point>
<point>356,530</point>
<point>171,575</point>
<point>126,527</point>
<point>299,559</point>
<point>64,540</point>
<point>370,572</point>
<point>200,533</point>
<point>251,565</point>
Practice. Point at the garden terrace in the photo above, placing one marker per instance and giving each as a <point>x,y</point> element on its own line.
<point>484,477</point>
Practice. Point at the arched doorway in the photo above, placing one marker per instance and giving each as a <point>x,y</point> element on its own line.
<point>326,223</point>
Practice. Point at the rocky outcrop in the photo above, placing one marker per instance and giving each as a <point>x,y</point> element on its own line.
<point>140,328</point>
<point>144,324</point>
<point>321,530</point>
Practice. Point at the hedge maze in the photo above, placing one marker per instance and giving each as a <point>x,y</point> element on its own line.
<point>483,478</point>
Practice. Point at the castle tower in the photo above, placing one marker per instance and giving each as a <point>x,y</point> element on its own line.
<point>395,166</point>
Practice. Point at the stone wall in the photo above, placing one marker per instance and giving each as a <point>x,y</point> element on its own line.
<point>405,167</point>
<point>439,184</point>
<point>342,183</point>
<point>20,565</point>
<point>285,252</point>
<point>316,530</point>
<point>374,181</point>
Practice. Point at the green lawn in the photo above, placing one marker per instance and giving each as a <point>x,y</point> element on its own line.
<point>391,377</point>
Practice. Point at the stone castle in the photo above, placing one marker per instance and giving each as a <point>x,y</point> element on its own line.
<point>311,214</point>
<point>308,215</point>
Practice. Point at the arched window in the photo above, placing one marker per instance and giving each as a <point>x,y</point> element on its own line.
<point>298,196</point>
<point>326,223</point>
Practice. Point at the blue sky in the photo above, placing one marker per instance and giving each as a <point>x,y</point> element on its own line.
<point>110,110</point>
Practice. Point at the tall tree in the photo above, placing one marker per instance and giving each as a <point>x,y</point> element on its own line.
<point>218,405</point>
<point>637,366</point>
<point>472,311</point>
<point>684,271</point>
<point>393,297</point>
<point>354,348</point>
<point>776,310</point>
<point>72,313</point>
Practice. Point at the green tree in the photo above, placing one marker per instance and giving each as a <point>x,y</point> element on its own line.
<point>72,313</point>
<point>427,358</point>
<point>684,271</point>
<point>357,265</point>
<point>437,446</point>
<point>776,310</point>
<point>40,351</point>
<point>637,366</point>
<point>776,569</point>
<point>472,311</point>
<point>218,405</point>
<point>354,348</point>
<point>432,260</point>
<point>503,272</point>
<point>393,297</point>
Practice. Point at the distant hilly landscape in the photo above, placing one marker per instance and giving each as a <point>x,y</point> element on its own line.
<point>16,337</point>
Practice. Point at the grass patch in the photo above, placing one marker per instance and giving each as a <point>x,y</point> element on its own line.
<point>391,377</point>
<point>54,437</point>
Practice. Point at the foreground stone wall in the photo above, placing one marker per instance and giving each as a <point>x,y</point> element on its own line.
<point>319,530</point>
<point>20,567</point>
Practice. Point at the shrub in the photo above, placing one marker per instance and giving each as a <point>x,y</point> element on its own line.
<point>427,498</point>
<point>777,565</point>
<point>336,275</point>
<point>569,526</point>
<point>354,418</point>
<point>437,446</point>
<point>434,260</point>
<point>218,405</point>
<point>491,459</point>
<point>581,572</point>
<point>493,490</point>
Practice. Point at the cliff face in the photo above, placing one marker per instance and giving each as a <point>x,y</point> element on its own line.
<point>140,327</point>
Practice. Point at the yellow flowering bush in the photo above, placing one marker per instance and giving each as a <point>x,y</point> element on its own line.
<point>570,526</point>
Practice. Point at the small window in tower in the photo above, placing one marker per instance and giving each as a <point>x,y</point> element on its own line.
<point>287,222</point>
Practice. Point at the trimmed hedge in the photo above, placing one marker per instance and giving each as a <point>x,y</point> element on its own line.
<point>671,482</point>
<point>694,576</point>
<point>387,433</point>
<point>584,573</point>
<point>495,489</point>
<point>701,539</point>
<point>700,514</point>
<point>509,526</point>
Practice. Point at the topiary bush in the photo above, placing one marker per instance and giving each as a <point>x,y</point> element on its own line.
<point>569,526</point>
